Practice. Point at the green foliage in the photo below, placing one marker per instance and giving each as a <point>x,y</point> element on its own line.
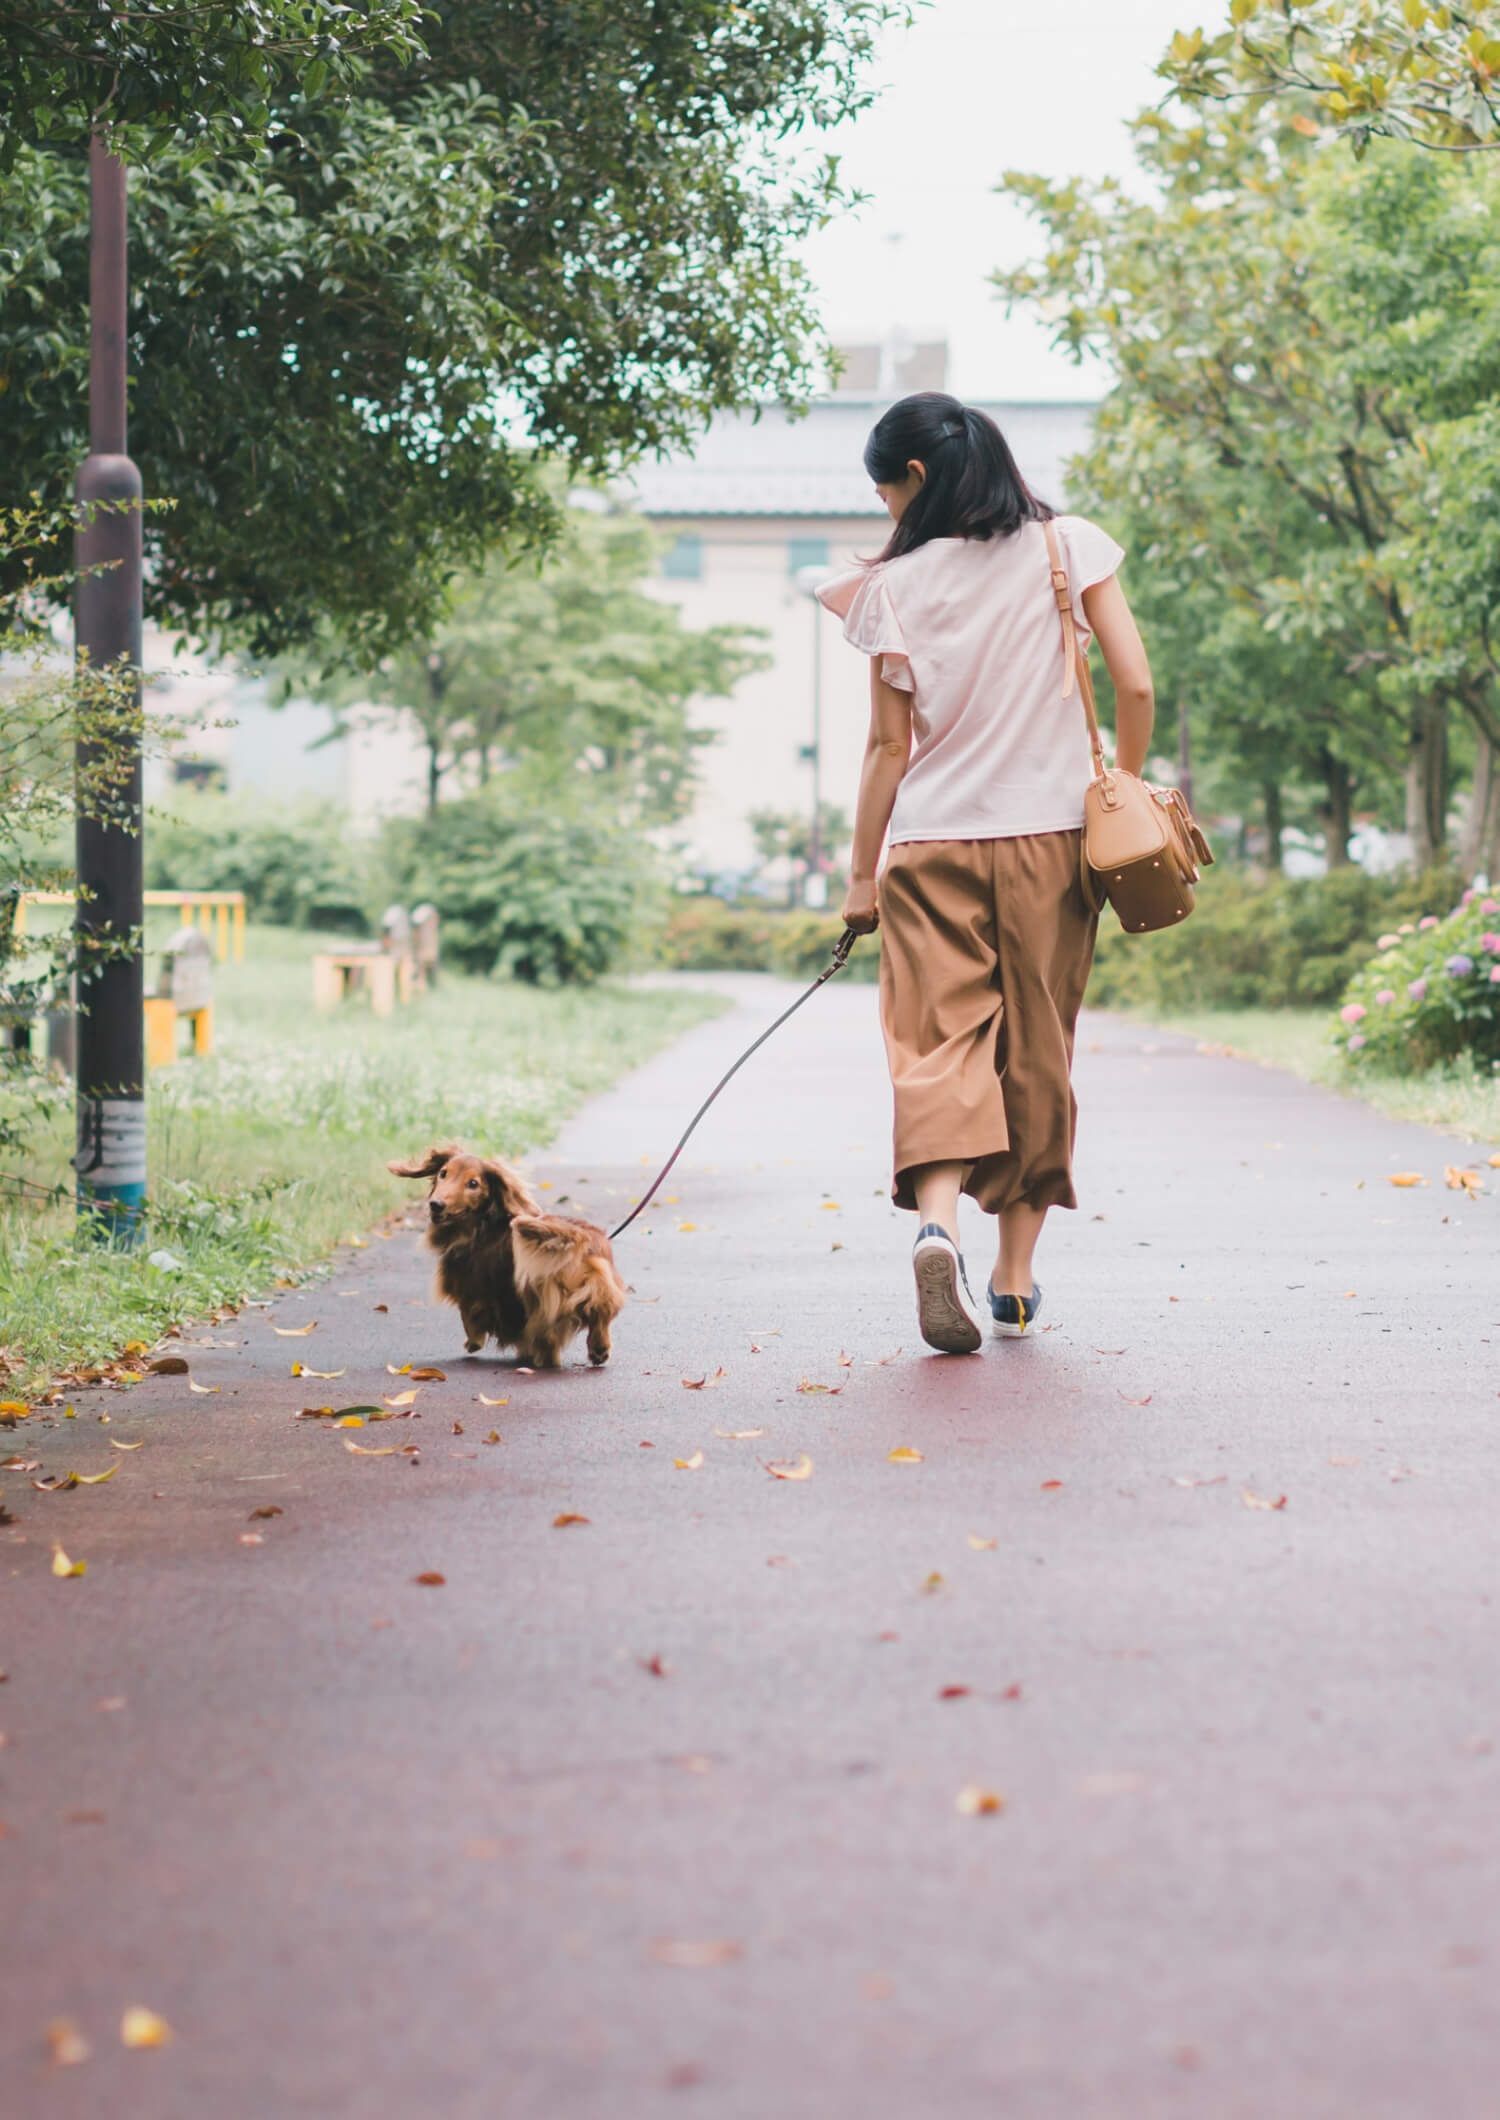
<point>1430,994</point>
<point>705,935</point>
<point>298,865</point>
<point>1271,944</point>
<point>581,224</point>
<point>533,881</point>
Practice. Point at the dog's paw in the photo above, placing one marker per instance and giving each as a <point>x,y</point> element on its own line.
<point>472,1346</point>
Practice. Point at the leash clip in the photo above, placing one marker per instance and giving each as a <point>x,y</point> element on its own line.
<point>842,949</point>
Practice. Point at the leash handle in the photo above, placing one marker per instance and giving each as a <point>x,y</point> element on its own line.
<point>836,963</point>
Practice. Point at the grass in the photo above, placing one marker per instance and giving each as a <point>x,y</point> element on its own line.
<point>269,1155</point>
<point>1459,1097</point>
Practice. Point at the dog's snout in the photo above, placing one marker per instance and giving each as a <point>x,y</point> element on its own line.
<point>435,1209</point>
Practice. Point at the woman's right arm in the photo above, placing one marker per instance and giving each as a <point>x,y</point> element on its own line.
<point>1119,638</point>
<point>887,755</point>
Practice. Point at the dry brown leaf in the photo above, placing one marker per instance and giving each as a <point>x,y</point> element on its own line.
<point>381,1306</point>
<point>799,1468</point>
<point>974,1802</point>
<point>458,1427</point>
<point>982,1545</point>
<point>717,1950</point>
<point>1261,1501</point>
<point>934,1583</point>
<point>140,2027</point>
<point>266,1512</point>
<point>1406,1177</point>
<point>656,1665</point>
<point>493,1436</point>
<point>814,1390</point>
<point>954,1692</point>
<point>704,1383</point>
<point>204,1391</point>
<point>492,1402</point>
<point>755,1347</point>
<point>170,1365</point>
<point>115,1444</point>
<point>1050,1486</point>
<point>431,1577</point>
<point>689,1464</point>
<point>402,1398</point>
<point>294,1332</point>
<point>737,1435</point>
<point>66,2045</point>
<point>55,1482</point>
<point>428,1376</point>
<point>903,1456</point>
<point>569,1516</point>
<point>846,1361</point>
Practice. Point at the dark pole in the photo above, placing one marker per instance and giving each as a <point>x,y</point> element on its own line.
<point>815,839</point>
<point>111,1159</point>
<point>1184,750</point>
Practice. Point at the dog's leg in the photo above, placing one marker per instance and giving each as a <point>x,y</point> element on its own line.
<point>473,1337</point>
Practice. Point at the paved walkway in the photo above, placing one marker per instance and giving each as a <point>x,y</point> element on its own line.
<point>658,1814</point>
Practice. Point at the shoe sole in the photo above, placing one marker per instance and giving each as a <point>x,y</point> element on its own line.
<point>941,1318</point>
<point>1009,1332</point>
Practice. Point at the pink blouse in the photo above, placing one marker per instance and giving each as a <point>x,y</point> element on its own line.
<point>970,628</point>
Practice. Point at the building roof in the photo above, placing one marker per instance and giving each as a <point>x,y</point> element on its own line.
<point>772,464</point>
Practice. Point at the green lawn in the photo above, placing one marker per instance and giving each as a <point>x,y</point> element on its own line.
<point>1459,1098</point>
<point>267,1156</point>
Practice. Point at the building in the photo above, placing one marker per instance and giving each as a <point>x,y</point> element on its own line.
<point>764,499</point>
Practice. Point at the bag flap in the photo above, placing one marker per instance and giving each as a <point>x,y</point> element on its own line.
<point>1121,821</point>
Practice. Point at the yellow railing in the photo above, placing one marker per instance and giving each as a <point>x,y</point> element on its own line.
<point>219,913</point>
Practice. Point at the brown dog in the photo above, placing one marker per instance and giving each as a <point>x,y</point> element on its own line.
<point>519,1277</point>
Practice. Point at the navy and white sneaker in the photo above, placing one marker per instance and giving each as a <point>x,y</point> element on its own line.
<point>946,1315</point>
<point>1011,1315</point>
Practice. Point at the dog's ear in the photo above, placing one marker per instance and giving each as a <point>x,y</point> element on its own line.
<point>543,1233</point>
<point>426,1166</point>
<point>508,1195</point>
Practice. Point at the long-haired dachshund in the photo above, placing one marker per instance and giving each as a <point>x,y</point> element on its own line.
<point>522,1278</point>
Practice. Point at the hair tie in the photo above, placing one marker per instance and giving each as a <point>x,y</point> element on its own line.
<point>951,433</point>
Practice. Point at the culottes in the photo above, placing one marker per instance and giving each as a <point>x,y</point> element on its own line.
<point>987,945</point>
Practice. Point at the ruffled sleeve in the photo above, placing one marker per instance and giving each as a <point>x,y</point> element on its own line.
<point>1093,555</point>
<point>863,601</point>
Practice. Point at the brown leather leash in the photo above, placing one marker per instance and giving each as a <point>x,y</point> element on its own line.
<point>840,958</point>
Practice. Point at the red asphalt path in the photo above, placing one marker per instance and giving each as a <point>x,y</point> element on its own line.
<point>658,1814</point>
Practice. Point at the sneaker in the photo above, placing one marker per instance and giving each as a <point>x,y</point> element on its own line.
<point>946,1316</point>
<point>1010,1315</point>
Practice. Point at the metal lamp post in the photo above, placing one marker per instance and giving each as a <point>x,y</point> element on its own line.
<point>111,1159</point>
<point>809,580</point>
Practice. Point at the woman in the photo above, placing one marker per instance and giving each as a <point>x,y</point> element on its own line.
<point>976,765</point>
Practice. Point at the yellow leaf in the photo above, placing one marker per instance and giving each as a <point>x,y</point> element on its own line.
<point>493,1436</point>
<point>134,1347</point>
<point>204,1391</point>
<point>61,1565</point>
<point>819,1390</point>
<point>1465,1181</point>
<point>934,1583</point>
<point>402,1398</point>
<point>1495,1162</point>
<point>404,1370</point>
<point>350,1420</point>
<point>831,1207</point>
<point>95,1479</point>
<point>293,1332</point>
<point>568,1516</point>
<point>981,1545</point>
<point>974,1802</point>
<point>688,1228</point>
<point>428,1376</point>
<point>903,1457</point>
<point>799,1469</point>
<point>1406,1177</point>
<point>324,1376</point>
<point>492,1402</point>
<point>140,2027</point>
<point>15,1409</point>
<point>116,1445</point>
<point>690,1464</point>
<point>359,1450</point>
<point>739,1435</point>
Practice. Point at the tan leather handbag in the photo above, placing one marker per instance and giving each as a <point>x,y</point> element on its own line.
<point>1142,848</point>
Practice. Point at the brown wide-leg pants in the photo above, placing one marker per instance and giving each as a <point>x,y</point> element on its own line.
<point>986,953</point>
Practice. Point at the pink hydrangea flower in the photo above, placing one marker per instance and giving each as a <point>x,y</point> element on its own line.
<point>1353,1012</point>
<point>1418,990</point>
<point>1356,1041</point>
<point>1387,942</point>
<point>1386,996</point>
<point>1489,905</point>
<point>1406,928</point>
<point>1468,897</point>
<point>1491,943</point>
<point>1431,921</point>
<point>1495,975</point>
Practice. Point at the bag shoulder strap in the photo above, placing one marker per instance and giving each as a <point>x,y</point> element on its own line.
<point>1075,660</point>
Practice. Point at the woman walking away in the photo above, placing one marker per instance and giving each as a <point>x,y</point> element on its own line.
<point>977,765</point>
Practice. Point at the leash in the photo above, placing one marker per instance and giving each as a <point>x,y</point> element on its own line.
<point>841,950</point>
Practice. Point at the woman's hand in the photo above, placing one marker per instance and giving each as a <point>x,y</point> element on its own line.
<point>860,910</point>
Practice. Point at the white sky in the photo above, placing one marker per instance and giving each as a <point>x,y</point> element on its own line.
<point>974,88</point>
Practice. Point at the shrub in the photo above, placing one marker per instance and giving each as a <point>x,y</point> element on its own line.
<point>298,865</point>
<point>530,885</point>
<point>706,935</point>
<point>1431,992</point>
<point>803,942</point>
<point>1278,943</point>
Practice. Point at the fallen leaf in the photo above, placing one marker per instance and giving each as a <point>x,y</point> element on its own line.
<point>392,1369</point>
<point>140,2027</point>
<point>831,1207</point>
<point>1465,1181</point>
<point>349,1420</point>
<point>687,1227</point>
<point>1260,1501</point>
<point>204,1391</point>
<point>883,1361</point>
<point>689,1464</point>
<point>12,1410</point>
<point>1343,1461</point>
<point>19,1464</point>
<point>755,1347</point>
<point>336,1413</point>
<point>493,1436</point>
<point>115,1444</point>
<point>1406,1177</point>
<point>954,1692</point>
<point>704,1383</point>
<point>718,1950</point>
<point>492,1402</point>
<point>251,1538</point>
<point>55,1482</point>
<point>293,1332</point>
<point>382,1306</point>
<point>974,1802</point>
<point>95,1479</point>
<point>933,1584</point>
<point>1495,1162</point>
<point>735,1435</point>
<point>846,1361</point>
<point>656,1665</point>
<point>828,1390</point>
<point>568,1516</point>
<point>903,1456</point>
<point>170,1365</point>
<point>1049,1485</point>
<point>66,2045</point>
<point>362,1450</point>
<point>981,1545</point>
<point>431,1577</point>
<point>402,1398</point>
<point>799,1468</point>
<point>1183,1479</point>
<point>1146,1401</point>
<point>324,1376</point>
<point>61,1565</point>
<point>266,1511</point>
<point>428,1376</point>
<point>458,1427</point>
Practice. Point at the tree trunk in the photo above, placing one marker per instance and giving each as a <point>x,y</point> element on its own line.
<point>1427,783</point>
<point>1275,823</point>
<point>1184,750</point>
<point>1479,840</point>
<point>1337,811</point>
<point>434,774</point>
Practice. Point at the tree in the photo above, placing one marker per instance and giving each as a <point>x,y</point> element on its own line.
<point>786,835</point>
<point>568,668</point>
<point>553,231</point>
<point>1414,70</point>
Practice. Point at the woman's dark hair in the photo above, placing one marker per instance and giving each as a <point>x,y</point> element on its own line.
<point>973,486</point>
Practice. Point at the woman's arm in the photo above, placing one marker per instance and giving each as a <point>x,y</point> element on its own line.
<point>1115,629</point>
<point>887,754</point>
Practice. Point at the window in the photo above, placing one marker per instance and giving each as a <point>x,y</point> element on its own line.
<point>683,562</point>
<point>805,552</point>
